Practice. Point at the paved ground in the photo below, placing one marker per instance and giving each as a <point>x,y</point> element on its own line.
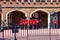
<point>41,34</point>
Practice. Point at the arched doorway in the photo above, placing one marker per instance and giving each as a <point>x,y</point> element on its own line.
<point>58,13</point>
<point>14,17</point>
<point>55,20</point>
<point>42,17</point>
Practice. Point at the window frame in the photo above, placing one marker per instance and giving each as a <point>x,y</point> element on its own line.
<point>13,0</point>
<point>31,0</point>
<point>7,0</point>
<point>37,0</point>
<point>43,0</point>
<point>58,0</point>
<point>25,0</point>
<point>54,0</point>
<point>1,0</point>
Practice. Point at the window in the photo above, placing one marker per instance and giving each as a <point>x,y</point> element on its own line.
<point>0,20</point>
<point>7,0</point>
<point>1,0</point>
<point>42,0</point>
<point>54,1</point>
<point>37,0</point>
<point>13,0</point>
<point>48,0</point>
<point>58,0</point>
<point>25,0</point>
<point>31,0</point>
<point>42,21</point>
<point>19,0</point>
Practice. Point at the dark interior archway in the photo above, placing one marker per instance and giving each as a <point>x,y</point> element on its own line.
<point>42,17</point>
<point>58,13</point>
<point>14,17</point>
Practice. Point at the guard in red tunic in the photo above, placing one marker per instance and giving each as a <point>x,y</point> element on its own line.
<point>33,23</point>
<point>23,22</point>
<point>55,22</point>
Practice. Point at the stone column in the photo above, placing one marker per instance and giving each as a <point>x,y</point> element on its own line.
<point>57,0</point>
<point>34,0</point>
<point>40,0</point>
<point>45,0</point>
<point>22,0</point>
<point>4,0</point>
<point>51,0</point>
<point>48,21</point>
<point>28,0</point>
<point>10,0</point>
<point>17,1</point>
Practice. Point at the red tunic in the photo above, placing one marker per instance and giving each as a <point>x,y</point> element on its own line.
<point>33,22</point>
<point>23,22</point>
<point>54,21</point>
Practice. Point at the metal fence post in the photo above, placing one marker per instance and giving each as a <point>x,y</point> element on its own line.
<point>27,32</point>
<point>50,33</point>
<point>15,36</point>
<point>3,35</point>
<point>27,29</point>
<point>50,30</point>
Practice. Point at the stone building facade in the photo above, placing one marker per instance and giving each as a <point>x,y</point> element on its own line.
<point>29,7</point>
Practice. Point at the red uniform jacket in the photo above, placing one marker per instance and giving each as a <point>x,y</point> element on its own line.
<point>23,22</point>
<point>54,21</point>
<point>33,22</point>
